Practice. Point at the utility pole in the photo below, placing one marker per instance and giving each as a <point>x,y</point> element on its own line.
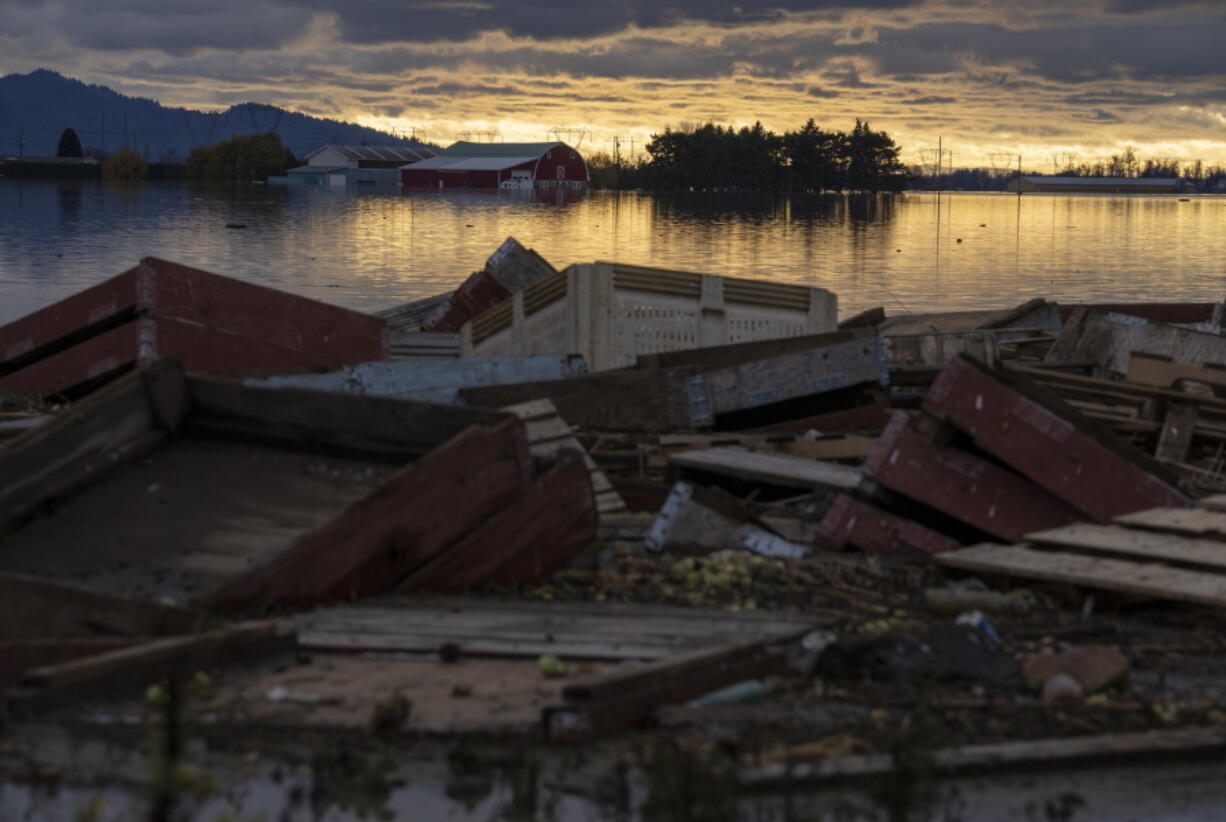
<point>21,144</point>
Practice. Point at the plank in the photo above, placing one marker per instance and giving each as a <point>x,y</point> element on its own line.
<point>20,655</point>
<point>703,521</point>
<point>552,520</point>
<point>1132,542</point>
<point>378,541</point>
<point>1177,430</point>
<point>626,698</point>
<point>775,469</point>
<point>853,522</point>
<point>130,670</point>
<point>979,492</point>
<point>1121,576</point>
<point>1216,502</point>
<point>548,434</point>
<point>400,429</point>
<point>1119,388</point>
<point>429,380</point>
<point>1192,522</point>
<point>651,401</point>
<point>850,447</point>
<point>1145,368</point>
<point>32,607</point>
<point>76,446</point>
<point>1049,442</point>
<point>715,357</point>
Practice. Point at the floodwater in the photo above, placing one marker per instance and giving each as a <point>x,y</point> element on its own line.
<point>370,249</point>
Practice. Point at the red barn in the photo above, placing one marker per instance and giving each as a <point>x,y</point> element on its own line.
<point>499,165</point>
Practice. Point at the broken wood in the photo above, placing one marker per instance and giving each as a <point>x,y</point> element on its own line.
<point>772,469</point>
<point>912,460</point>
<point>850,521</point>
<point>703,521</point>
<point>1041,437</point>
<point>1134,543</point>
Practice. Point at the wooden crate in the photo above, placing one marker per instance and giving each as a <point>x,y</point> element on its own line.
<point>227,496</point>
<point>612,313</point>
<point>161,309</point>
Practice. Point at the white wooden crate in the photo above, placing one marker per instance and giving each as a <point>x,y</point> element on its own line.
<point>612,313</point>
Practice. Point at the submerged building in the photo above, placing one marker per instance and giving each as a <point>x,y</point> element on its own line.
<point>342,165</point>
<point>499,165</point>
<point>1027,184</point>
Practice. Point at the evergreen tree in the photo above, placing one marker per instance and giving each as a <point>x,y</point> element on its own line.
<point>70,145</point>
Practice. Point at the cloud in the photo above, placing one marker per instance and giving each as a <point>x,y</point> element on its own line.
<point>824,94</point>
<point>928,101</point>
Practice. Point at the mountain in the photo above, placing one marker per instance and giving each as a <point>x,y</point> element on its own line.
<point>40,105</point>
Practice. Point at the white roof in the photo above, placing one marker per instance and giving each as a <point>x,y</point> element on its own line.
<point>405,153</point>
<point>442,162</point>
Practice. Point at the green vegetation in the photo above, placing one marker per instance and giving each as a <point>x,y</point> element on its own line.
<point>125,166</point>
<point>240,160</point>
<point>720,158</point>
<point>69,145</point>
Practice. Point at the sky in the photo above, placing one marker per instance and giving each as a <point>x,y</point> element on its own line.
<point>1048,80</point>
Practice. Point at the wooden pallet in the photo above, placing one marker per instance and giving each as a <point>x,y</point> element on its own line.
<point>548,434</point>
<point>1164,553</point>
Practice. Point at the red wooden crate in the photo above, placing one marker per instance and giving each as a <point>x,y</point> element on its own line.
<point>1051,443</point>
<point>962,485</point>
<point>852,522</point>
<point>304,332</point>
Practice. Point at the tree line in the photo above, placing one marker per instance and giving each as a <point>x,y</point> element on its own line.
<point>712,157</point>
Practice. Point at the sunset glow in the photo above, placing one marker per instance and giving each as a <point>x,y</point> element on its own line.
<point>1043,80</point>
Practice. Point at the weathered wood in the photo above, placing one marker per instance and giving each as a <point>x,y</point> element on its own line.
<point>870,416</point>
<point>398,429</point>
<point>869,318</point>
<point>20,655</point>
<point>549,434</point>
<point>1145,368</point>
<point>528,628</point>
<point>1108,340</point>
<point>1192,522</point>
<point>74,448</point>
<point>700,521</point>
<point>652,401</point>
<point>1216,502</point>
<point>437,381</point>
<point>839,447</point>
<point>1043,438</point>
<point>380,540</point>
<point>1135,543</point>
<point>160,309</point>
<point>1145,579</point>
<point>1177,429</point>
<point>128,671</point>
<point>716,357</point>
<point>849,521</point>
<point>774,469</point>
<point>32,607</point>
<point>625,699</point>
<point>537,533</point>
<point>960,484</point>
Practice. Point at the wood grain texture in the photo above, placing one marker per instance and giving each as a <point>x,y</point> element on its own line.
<point>1122,576</point>
<point>776,469</point>
<point>1193,522</point>
<point>1135,543</point>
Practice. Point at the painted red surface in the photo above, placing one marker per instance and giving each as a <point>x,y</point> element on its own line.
<point>870,417</point>
<point>559,164</point>
<point>478,293</point>
<point>235,325</point>
<point>850,521</point>
<point>378,541</point>
<point>962,485</point>
<point>553,519</point>
<point>1067,460</point>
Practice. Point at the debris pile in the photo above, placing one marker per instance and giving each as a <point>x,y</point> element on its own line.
<point>635,488</point>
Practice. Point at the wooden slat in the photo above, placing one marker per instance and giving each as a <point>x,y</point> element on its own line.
<point>1192,522</point>
<point>775,469</point>
<point>1177,430</point>
<point>1146,579</point>
<point>1132,542</point>
<point>398,428</point>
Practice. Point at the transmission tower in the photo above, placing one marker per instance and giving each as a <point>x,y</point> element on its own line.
<point>475,136</point>
<point>573,137</point>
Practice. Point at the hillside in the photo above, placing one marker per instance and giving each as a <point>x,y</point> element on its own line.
<point>41,104</point>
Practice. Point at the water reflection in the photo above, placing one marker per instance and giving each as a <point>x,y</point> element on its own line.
<point>372,248</point>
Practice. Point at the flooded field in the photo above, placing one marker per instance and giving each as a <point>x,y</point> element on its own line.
<point>369,250</point>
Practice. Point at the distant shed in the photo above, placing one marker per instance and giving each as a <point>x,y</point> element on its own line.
<point>1096,185</point>
<point>345,165</point>
<point>499,165</point>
